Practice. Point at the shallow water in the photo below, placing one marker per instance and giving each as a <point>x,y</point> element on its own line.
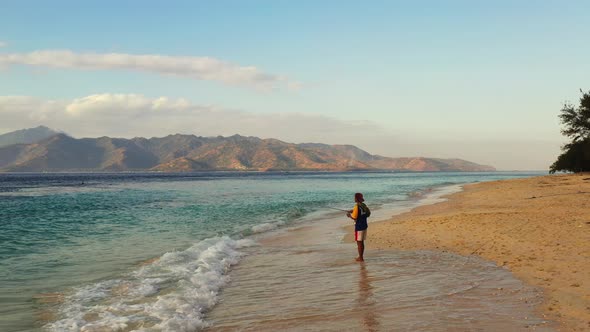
<point>306,280</point>
<point>102,252</point>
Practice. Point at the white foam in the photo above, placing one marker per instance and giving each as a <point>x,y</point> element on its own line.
<point>434,196</point>
<point>171,294</point>
<point>265,227</point>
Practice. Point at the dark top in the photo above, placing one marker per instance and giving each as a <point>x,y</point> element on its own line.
<point>361,219</point>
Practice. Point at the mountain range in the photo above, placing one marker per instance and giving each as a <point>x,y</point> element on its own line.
<point>52,151</point>
<point>26,136</point>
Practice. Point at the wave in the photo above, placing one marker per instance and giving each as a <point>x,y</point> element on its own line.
<point>170,294</point>
<point>266,227</point>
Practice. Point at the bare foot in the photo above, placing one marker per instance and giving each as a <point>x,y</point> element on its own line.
<point>359,259</point>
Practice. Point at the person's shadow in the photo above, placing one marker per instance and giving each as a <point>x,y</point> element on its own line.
<point>366,304</point>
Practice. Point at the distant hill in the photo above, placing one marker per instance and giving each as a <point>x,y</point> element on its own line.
<point>185,153</point>
<point>26,136</point>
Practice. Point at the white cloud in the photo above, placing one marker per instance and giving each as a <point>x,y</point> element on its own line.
<point>201,68</point>
<point>128,103</point>
<point>130,115</point>
<point>3,44</point>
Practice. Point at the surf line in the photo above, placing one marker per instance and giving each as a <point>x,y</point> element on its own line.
<point>333,208</point>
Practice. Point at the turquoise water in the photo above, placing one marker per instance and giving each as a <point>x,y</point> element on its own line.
<point>73,247</point>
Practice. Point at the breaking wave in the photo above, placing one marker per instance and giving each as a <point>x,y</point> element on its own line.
<point>170,294</point>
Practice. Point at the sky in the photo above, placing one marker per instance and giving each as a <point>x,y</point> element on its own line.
<point>481,81</point>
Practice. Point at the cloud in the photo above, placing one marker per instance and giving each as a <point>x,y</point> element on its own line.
<point>130,115</point>
<point>3,44</point>
<point>201,68</point>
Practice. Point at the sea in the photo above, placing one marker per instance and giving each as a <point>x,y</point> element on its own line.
<point>237,251</point>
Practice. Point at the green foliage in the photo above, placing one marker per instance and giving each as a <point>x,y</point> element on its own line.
<point>575,158</point>
<point>576,154</point>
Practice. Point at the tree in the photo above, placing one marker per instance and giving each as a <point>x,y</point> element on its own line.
<point>576,154</point>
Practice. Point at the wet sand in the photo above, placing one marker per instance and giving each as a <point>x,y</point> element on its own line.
<point>538,228</point>
<point>306,279</point>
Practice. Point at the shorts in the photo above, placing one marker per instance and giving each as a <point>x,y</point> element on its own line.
<point>360,235</point>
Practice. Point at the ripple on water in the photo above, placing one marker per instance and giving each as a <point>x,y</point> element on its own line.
<point>321,288</point>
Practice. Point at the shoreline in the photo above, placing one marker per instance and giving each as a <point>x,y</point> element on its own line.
<point>538,228</point>
<point>315,284</point>
<point>305,277</point>
<point>317,238</point>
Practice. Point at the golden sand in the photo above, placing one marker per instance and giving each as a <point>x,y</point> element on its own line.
<point>539,228</point>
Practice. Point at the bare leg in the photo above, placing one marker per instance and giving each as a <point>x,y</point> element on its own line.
<point>361,249</point>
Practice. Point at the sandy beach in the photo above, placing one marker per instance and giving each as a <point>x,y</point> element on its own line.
<point>538,228</point>
<point>306,279</point>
